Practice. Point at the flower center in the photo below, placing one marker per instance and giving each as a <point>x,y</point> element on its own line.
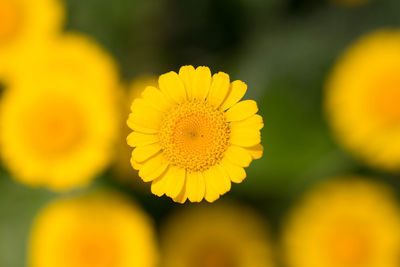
<point>215,255</point>
<point>94,248</point>
<point>348,245</point>
<point>55,127</point>
<point>194,135</point>
<point>10,19</point>
<point>385,100</point>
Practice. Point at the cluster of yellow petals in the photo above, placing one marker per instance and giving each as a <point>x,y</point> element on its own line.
<point>193,136</point>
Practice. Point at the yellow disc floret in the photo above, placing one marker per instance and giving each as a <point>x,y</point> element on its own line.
<point>194,135</point>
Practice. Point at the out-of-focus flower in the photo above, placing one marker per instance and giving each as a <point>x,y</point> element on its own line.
<point>55,132</point>
<point>214,236</point>
<point>122,164</point>
<point>96,230</point>
<point>24,26</point>
<point>344,223</point>
<point>75,57</point>
<point>192,137</point>
<point>363,96</point>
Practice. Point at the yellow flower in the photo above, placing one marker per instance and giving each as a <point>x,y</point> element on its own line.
<point>55,132</point>
<point>24,26</point>
<point>96,230</point>
<point>192,137</point>
<point>72,56</point>
<point>344,223</point>
<point>363,96</point>
<point>215,236</point>
<point>122,165</point>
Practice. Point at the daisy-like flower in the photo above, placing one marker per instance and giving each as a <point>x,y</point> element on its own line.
<point>24,26</point>
<point>347,222</point>
<point>216,236</point>
<point>363,96</point>
<point>55,132</point>
<point>191,136</point>
<point>97,230</point>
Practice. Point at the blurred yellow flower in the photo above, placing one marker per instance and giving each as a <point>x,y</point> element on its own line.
<point>122,166</point>
<point>73,56</point>
<point>24,26</point>
<point>192,137</point>
<point>55,132</point>
<point>96,230</point>
<point>363,96</point>
<point>344,223</point>
<point>216,236</point>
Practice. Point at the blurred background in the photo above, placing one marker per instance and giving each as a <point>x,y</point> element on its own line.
<point>283,49</point>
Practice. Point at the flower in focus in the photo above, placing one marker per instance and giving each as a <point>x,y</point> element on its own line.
<point>122,165</point>
<point>344,223</point>
<point>215,236</point>
<point>96,230</point>
<point>55,132</point>
<point>363,96</point>
<point>24,26</point>
<point>192,137</point>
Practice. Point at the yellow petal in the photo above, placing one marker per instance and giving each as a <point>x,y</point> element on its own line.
<point>254,122</point>
<point>256,151</point>
<point>235,172</point>
<point>195,186</point>
<point>201,82</point>
<point>182,196</point>
<point>175,179</point>
<point>219,88</point>
<point>241,110</point>
<point>186,73</point>
<point>245,138</point>
<point>139,139</point>
<point>158,186</point>
<point>156,99</point>
<point>172,86</point>
<point>218,179</point>
<point>143,153</point>
<point>144,115</point>
<point>140,129</point>
<point>238,155</point>
<point>210,193</point>
<point>235,93</point>
<point>136,165</point>
<point>153,168</point>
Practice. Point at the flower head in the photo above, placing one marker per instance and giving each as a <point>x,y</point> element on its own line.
<point>55,132</point>
<point>192,137</point>
<point>344,223</point>
<point>97,230</point>
<point>215,236</point>
<point>363,96</point>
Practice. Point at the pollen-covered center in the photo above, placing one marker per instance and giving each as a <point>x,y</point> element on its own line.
<point>194,135</point>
